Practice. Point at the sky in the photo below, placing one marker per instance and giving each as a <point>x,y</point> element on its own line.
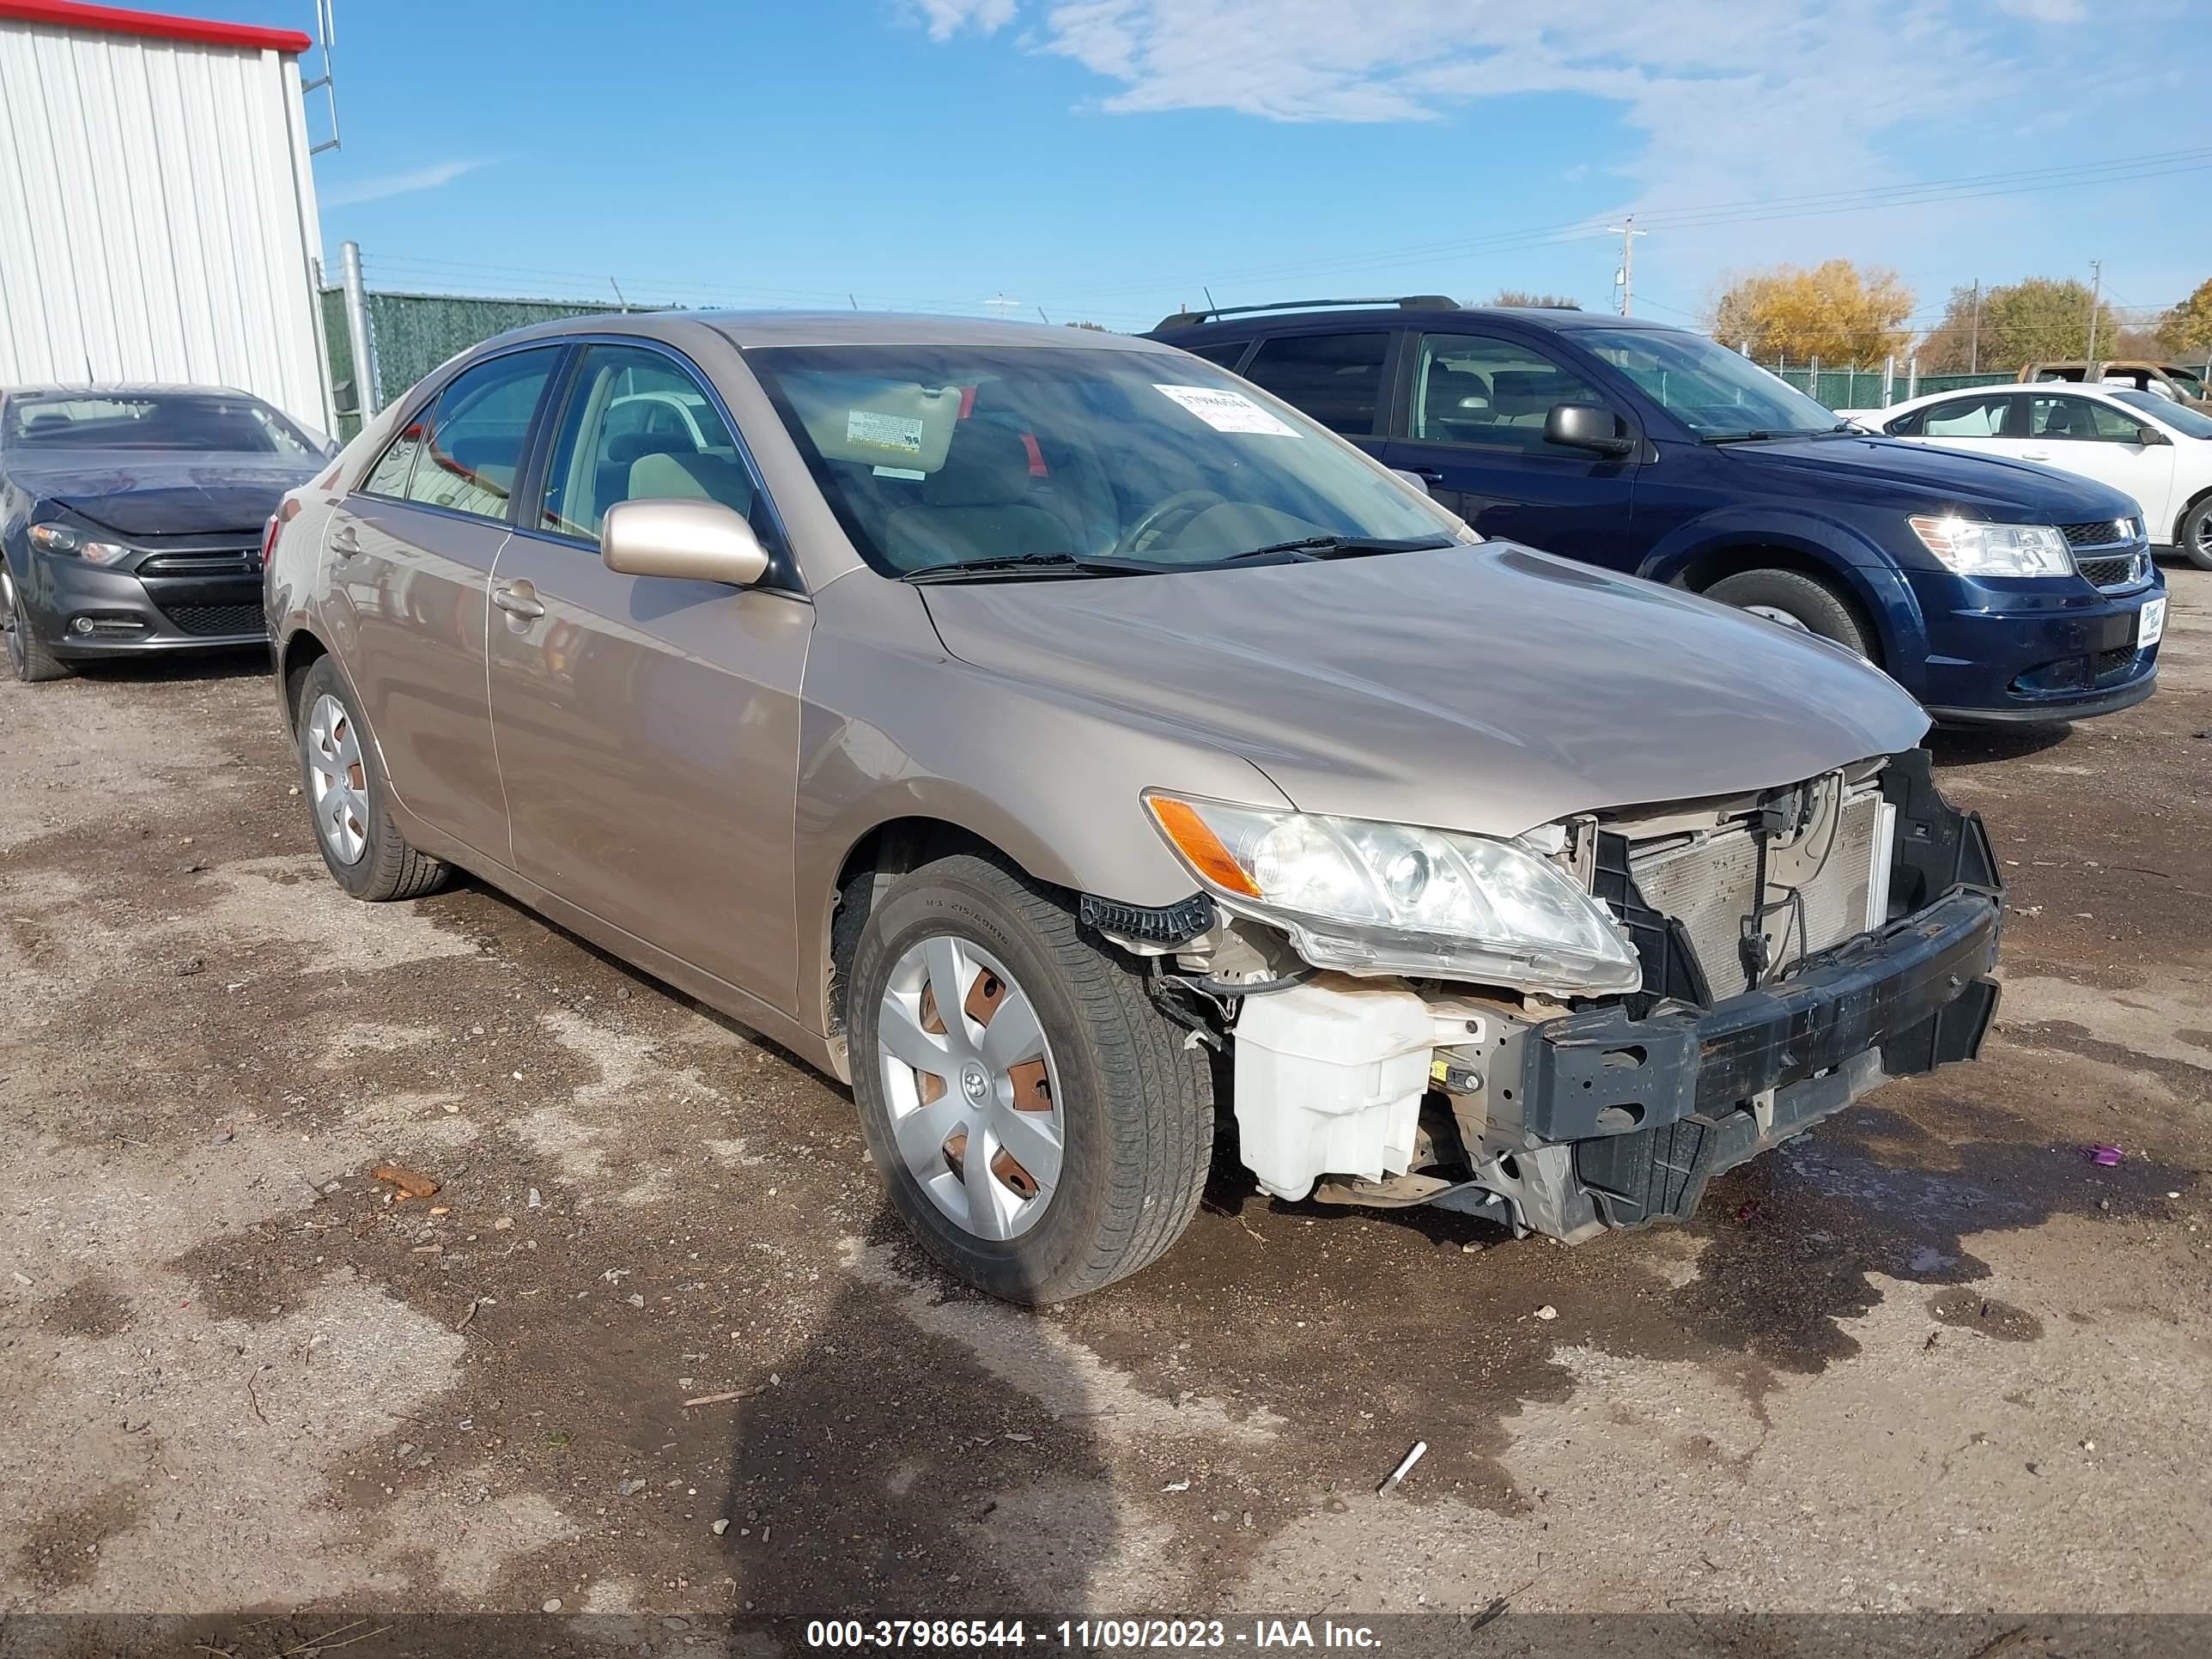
<point>1114,159</point>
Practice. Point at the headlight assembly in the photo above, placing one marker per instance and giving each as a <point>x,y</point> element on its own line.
<point>1365,897</point>
<point>1973,548</point>
<point>60,538</point>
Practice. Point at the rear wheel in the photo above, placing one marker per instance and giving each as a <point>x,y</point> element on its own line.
<point>1795,600</point>
<point>27,655</point>
<point>1039,1125</point>
<point>345,786</point>
<point>2194,537</point>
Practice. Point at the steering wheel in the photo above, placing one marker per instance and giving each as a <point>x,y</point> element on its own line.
<point>1183,504</point>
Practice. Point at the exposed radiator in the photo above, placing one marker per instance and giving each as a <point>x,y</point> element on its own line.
<point>1817,887</point>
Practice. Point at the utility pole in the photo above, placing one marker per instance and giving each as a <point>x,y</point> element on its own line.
<point>359,334</point>
<point>2096,288</point>
<point>1625,279</point>
<point>1974,350</point>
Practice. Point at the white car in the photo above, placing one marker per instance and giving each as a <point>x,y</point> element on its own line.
<point>2148,445</point>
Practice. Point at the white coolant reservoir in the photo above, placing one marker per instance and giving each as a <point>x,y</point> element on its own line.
<point>1329,1079</point>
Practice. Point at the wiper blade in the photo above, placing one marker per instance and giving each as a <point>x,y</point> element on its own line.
<point>1757,437</point>
<point>1342,547</point>
<point>1031,563</point>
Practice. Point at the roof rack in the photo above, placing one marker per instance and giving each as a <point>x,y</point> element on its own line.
<point>1403,301</point>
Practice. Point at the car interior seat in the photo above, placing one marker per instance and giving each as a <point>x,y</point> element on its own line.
<point>978,505</point>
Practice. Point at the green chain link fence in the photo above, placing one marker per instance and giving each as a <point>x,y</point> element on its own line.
<point>1860,388</point>
<point>415,332</point>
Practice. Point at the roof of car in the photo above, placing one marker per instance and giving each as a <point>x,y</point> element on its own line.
<point>1393,313</point>
<point>762,329</point>
<point>118,389</point>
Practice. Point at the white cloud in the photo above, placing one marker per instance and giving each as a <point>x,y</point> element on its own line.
<point>399,184</point>
<point>2044,11</point>
<point>945,18</point>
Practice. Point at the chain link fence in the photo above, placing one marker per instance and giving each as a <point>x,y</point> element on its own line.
<point>1875,388</point>
<point>411,334</point>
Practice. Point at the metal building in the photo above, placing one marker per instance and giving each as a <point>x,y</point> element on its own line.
<point>157,209</point>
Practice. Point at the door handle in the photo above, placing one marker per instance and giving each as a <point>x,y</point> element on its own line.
<point>345,541</point>
<point>2035,454</point>
<point>1434,474</point>
<point>518,599</point>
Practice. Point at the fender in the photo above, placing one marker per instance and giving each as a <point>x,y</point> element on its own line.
<point>1853,561</point>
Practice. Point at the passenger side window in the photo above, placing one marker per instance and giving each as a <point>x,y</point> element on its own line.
<point>472,439</point>
<point>2067,417</point>
<point>2114,426</point>
<point>1477,389</point>
<point>638,426</point>
<point>1962,417</point>
<point>1335,378</point>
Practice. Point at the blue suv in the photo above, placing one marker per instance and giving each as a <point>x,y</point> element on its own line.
<point>1993,590</point>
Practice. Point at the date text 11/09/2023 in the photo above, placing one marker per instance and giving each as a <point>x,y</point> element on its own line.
<point>1083,1635</point>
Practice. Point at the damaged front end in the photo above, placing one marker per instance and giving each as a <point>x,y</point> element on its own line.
<point>1788,950</point>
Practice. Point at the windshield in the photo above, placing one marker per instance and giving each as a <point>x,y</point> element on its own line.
<point>1714,392</point>
<point>231,425</point>
<point>2168,412</point>
<point>941,455</point>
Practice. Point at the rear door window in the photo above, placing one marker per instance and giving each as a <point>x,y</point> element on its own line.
<point>1335,378</point>
<point>1983,416</point>
<point>471,439</point>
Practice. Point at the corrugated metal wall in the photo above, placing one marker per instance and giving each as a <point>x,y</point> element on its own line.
<point>157,216</point>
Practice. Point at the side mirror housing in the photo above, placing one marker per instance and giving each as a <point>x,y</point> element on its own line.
<point>699,541</point>
<point>1585,426</point>
<point>2151,437</point>
<point>1413,481</point>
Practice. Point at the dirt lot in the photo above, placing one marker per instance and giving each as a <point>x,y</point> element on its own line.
<point>1933,1358</point>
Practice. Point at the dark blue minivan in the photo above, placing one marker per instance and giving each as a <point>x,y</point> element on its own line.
<point>1993,590</point>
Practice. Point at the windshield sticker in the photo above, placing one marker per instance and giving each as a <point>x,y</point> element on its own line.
<point>898,472</point>
<point>1227,411</point>
<point>867,426</point>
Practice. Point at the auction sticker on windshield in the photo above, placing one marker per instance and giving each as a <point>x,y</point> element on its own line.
<point>2150,624</point>
<point>1227,411</point>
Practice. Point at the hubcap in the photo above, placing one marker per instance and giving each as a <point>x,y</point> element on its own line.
<point>1775,613</point>
<point>969,1081</point>
<point>341,788</point>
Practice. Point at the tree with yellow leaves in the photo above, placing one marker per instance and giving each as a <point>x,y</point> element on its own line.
<point>1845,317</point>
<point>2188,327</point>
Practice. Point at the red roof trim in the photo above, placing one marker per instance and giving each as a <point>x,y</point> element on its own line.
<point>114,20</point>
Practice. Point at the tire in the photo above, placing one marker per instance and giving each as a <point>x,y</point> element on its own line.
<point>382,864</point>
<point>1132,1105</point>
<point>28,656</point>
<point>1796,601</point>
<point>2192,538</point>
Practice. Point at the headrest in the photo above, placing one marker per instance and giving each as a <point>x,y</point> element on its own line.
<point>987,465</point>
<point>628,446</point>
<point>690,475</point>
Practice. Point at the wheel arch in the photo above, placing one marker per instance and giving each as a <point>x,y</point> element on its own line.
<point>1866,580</point>
<point>301,650</point>
<point>2181,515</point>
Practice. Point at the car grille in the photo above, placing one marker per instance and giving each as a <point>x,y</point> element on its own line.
<point>2100,532</point>
<point>2117,660</point>
<point>212,561</point>
<point>2111,575</point>
<point>213,620</point>
<point>1707,886</point>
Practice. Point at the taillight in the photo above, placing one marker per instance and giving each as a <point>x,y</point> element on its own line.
<point>268,541</point>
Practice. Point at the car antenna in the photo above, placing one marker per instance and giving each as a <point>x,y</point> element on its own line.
<point>1208,292</point>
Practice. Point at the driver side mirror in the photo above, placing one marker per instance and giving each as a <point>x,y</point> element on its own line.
<point>1585,426</point>
<point>697,541</point>
<point>2151,437</point>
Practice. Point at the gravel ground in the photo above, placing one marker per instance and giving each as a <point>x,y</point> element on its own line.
<point>1932,1357</point>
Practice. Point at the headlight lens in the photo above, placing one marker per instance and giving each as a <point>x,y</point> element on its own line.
<point>1365,898</point>
<point>60,538</point>
<point>1975,549</point>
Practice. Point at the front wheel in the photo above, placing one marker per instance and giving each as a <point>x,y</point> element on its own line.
<point>2194,539</point>
<point>1795,600</point>
<point>1040,1126</point>
<point>28,659</point>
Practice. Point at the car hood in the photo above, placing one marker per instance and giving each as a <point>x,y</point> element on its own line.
<point>1489,689</point>
<point>2004,490</point>
<point>137,493</point>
